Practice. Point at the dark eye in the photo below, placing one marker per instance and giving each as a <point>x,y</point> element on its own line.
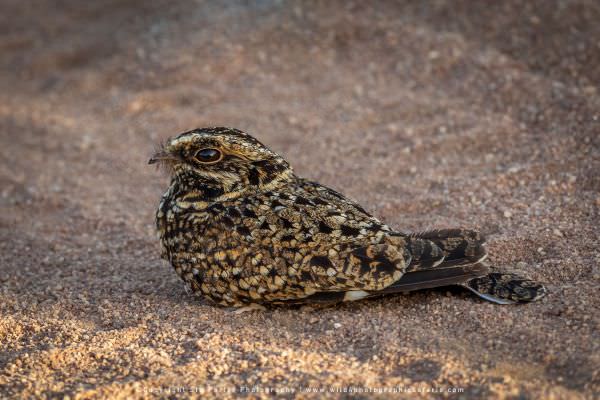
<point>208,155</point>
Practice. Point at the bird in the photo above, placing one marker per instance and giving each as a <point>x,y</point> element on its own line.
<point>244,231</point>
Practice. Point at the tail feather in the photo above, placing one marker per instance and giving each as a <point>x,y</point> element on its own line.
<point>503,288</point>
<point>425,254</point>
<point>430,278</point>
<point>445,248</point>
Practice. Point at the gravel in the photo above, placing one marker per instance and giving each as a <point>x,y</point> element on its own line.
<point>431,115</point>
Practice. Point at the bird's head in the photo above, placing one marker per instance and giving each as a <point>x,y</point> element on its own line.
<point>221,163</point>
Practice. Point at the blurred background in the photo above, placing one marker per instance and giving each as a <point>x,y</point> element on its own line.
<point>432,114</point>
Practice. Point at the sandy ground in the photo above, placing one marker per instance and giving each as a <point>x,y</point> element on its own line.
<point>439,115</point>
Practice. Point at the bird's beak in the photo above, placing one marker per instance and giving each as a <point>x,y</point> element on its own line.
<point>161,156</point>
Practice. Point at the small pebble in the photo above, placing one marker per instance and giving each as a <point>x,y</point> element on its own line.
<point>558,233</point>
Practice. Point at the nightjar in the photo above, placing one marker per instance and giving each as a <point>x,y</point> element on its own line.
<point>242,229</point>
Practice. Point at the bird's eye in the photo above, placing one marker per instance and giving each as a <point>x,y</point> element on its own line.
<point>208,156</point>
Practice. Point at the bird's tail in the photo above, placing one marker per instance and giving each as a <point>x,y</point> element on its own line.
<point>445,248</point>
<point>441,258</point>
<point>503,288</point>
<point>456,257</point>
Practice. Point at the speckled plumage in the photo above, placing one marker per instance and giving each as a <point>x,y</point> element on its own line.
<point>241,228</point>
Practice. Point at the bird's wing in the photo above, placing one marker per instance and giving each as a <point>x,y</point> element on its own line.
<point>352,250</point>
<point>294,243</point>
<point>354,267</point>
